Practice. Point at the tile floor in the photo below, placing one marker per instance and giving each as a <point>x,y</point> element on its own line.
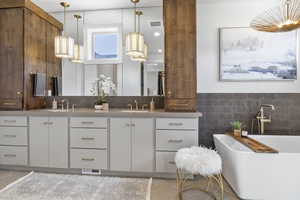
<point>161,189</point>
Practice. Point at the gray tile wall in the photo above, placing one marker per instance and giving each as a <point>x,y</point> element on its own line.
<point>221,109</point>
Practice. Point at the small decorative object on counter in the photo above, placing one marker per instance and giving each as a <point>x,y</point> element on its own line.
<point>106,107</point>
<point>152,105</point>
<point>54,104</point>
<point>102,87</point>
<point>49,93</point>
<point>98,107</point>
<point>237,128</point>
<point>244,133</point>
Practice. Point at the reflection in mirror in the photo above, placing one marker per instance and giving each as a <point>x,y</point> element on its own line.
<point>103,33</point>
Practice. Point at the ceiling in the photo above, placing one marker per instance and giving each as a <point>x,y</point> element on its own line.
<point>53,5</point>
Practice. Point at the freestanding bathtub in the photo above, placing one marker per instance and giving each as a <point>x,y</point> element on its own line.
<point>262,176</point>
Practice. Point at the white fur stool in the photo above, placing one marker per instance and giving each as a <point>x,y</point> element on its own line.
<point>198,161</point>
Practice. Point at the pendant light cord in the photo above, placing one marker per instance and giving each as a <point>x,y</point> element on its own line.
<point>65,24</point>
<point>287,6</point>
<point>77,35</point>
<point>139,23</point>
<point>135,17</point>
<point>78,46</point>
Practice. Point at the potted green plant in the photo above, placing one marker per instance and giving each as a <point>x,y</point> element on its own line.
<point>237,128</point>
<point>101,100</point>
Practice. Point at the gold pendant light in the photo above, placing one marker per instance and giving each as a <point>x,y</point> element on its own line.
<point>135,40</point>
<point>144,56</point>
<point>78,49</point>
<point>283,18</point>
<point>64,45</point>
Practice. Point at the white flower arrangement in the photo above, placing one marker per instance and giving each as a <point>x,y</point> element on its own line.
<point>102,87</point>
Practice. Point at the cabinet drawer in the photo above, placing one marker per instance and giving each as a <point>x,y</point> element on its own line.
<point>88,159</point>
<point>89,138</point>
<point>88,122</point>
<point>13,136</point>
<point>177,123</point>
<point>11,104</point>
<point>13,121</point>
<point>13,155</point>
<point>165,162</point>
<point>167,140</point>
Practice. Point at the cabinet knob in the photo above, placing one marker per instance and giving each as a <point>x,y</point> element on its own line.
<point>169,93</point>
<point>88,159</point>
<point>172,162</point>
<point>175,141</point>
<point>19,93</point>
<point>128,125</point>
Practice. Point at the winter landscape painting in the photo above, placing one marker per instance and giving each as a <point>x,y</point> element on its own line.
<point>249,55</point>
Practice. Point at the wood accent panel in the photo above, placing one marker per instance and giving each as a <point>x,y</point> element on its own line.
<point>12,3</point>
<point>34,56</point>
<point>11,58</point>
<point>34,8</point>
<point>54,67</point>
<point>180,55</point>
<point>44,15</point>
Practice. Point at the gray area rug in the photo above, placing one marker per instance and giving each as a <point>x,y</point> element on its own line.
<point>40,186</point>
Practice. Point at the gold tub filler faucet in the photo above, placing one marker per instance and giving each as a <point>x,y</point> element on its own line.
<point>262,119</point>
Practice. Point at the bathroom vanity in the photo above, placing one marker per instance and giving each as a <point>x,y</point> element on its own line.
<point>116,141</point>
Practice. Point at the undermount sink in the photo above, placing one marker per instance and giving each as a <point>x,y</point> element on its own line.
<point>136,111</point>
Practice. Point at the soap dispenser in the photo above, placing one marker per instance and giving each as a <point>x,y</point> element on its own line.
<point>152,105</point>
<point>54,104</point>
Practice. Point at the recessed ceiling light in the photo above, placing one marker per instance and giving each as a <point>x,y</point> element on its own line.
<point>157,34</point>
<point>160,50</point>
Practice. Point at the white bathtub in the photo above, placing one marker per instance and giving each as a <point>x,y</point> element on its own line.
<point>262,176</point>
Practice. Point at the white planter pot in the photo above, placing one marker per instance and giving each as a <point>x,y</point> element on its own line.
<point>98,107</point>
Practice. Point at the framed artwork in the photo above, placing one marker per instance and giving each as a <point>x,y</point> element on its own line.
<point>249,55</point>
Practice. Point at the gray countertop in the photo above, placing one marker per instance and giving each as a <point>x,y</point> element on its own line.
<point>85,112</point>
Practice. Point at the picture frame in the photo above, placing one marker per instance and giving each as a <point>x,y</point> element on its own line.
<point>249,55</point>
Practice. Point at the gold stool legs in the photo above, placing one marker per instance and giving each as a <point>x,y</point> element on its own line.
<point>182,185</point>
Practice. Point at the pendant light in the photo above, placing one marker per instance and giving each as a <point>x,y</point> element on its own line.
<point>135,40</point>
<point>78,49</point>
<point>144,56</point>
<point>283,18</point>
<point>64,45</point>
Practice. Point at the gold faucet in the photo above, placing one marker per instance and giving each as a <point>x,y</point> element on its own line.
<point>262,119</point>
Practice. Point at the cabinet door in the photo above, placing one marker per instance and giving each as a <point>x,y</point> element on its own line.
<point>58,142</point>
<point>180,55</point>
<point>120,144</point>
<point>38,141</point>
<point>11,58</point>
<point>34,56</point>
<point>142,145</point>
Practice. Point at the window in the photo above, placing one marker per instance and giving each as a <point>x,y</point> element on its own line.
<point>104,45</point>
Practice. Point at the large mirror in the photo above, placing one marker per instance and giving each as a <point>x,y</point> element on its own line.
<point>102,33</point>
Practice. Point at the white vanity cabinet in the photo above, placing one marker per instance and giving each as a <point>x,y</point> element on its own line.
<point>88,143</point>
<point>48,142</point>
<point>13,140</point>
<point>132,144</point>
<point>173,134</point>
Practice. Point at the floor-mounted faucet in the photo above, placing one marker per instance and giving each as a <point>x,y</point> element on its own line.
<point>262,118</point>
